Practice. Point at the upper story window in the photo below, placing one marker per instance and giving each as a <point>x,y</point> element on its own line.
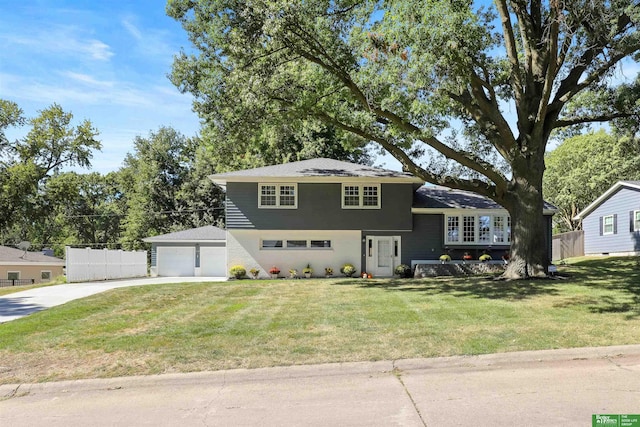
<point>478,229</point>
<point>361,196</point>
<point>278,196</point>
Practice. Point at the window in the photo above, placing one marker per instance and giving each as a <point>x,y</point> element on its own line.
<point>362,196</point>
<point>453,229</point>
<point>636,221</point>
<point>283,196</point>
<point>468,229</point>
<point>295,244</point>
<point>607,225</point>
<point>271,244</point>
<point>45,275</point>
<point>321,243</point>
<point>13,275</point>
<point>484,229</point>
<point>499,235</point>
<point>478,229</point>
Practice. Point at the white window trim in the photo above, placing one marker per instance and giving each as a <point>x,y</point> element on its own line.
<point>297,248</point>
<point>636,222</point>
<point>604,225</point>
<point>460,242</point>
<point>277,185</point>
<point>361,196</point>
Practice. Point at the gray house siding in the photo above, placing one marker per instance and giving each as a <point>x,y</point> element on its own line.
<point>623,240</point>
<point>319,208</point>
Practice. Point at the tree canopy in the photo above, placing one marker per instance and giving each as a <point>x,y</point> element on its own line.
<point>461,94</point>
<point>27,163</point>
<point>583,167</point>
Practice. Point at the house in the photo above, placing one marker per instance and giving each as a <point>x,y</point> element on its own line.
<point>19,266</point>
<point>195,252</point>
<point>611,223</point>
<point>327,213</point>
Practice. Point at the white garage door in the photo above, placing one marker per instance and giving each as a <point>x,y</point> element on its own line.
<point>179,261</point>
<point>213,261</point>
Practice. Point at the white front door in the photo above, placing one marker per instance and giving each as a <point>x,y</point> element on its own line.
<point>383,254</point>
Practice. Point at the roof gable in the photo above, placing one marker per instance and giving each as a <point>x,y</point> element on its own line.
<point>18,256</point>
<point>314,169</point>
<point>605,196</point>
<point>206,233</point>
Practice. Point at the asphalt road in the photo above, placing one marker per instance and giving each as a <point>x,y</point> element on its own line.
<point>543,388</point>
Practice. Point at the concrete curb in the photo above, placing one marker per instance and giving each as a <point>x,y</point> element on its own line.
<point>355,369</point>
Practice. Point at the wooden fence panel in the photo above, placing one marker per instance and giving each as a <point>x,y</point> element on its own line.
<point>568,245</point>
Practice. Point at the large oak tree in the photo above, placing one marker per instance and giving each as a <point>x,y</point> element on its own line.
<point>464,95</point>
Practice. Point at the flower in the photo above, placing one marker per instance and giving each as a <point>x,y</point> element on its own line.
<point>274,270</point>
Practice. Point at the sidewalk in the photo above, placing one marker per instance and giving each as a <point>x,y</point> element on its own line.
<point>541,388</point>
<point>19,304</point>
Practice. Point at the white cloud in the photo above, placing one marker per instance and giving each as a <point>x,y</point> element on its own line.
<point>87,79</point>
<point>131,28</point>
<point>65,40</point>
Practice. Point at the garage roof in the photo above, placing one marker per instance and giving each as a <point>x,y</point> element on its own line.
<point>207,233</point>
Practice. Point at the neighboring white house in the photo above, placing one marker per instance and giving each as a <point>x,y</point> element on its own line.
<point>195,252</point>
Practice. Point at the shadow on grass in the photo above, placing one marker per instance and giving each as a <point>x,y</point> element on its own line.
<point>619,275</point>
<point>613,286</point>
<point>477,287</point>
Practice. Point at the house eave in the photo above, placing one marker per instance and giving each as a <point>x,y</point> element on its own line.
<point>152,240</point>
<point>222,182</point>
<point>597,202</point>
<point>443,211</point>
<point>34,263</point>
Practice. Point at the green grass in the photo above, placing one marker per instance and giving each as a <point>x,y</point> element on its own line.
<point>5,290</point>
<point>195,326</point>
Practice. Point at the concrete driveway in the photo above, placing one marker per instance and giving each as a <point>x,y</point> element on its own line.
<point>537,388</point>
<point>16,305</point>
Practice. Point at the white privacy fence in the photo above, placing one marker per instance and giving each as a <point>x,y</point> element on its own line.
<point>85,264</point>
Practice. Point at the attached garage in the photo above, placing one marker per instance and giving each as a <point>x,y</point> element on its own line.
<point>195,252</point>
<point>176,261</point>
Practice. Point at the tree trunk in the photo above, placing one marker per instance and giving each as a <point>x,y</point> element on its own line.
<point>524,201</point>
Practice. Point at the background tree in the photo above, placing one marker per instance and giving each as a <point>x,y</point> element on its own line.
<point>583,167</point>
<point>161,185</point>
<point>28,163</point>
<point>430,82</point>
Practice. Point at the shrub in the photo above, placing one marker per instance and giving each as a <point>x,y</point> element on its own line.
<point>238,271</point>
<point>444,258</point>
<point>254,272</point>
<point>485,257</point>
<point>307,269</point>
<point>403,270</point>
<point>328,271</point>
<point>348,270</point>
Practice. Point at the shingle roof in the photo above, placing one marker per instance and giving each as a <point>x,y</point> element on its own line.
<point>437,197</point>
<point>18,256</point>
<point>315,168</point>
<point>208,232</point>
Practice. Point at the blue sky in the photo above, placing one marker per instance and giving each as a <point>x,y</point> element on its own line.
<point>106,61</point>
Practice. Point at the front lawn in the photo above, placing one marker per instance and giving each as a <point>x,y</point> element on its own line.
<point>207,326</point>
